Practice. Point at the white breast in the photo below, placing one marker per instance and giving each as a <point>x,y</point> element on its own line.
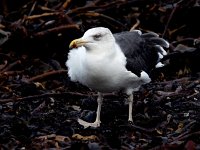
<point>74,63</point>
<point>104,72</point>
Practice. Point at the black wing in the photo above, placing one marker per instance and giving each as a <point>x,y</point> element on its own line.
<point>141,50</point>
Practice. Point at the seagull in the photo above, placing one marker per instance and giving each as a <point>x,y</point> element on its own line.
<point>107,62</point>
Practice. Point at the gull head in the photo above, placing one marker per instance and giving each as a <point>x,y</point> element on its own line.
<point>95,39</point>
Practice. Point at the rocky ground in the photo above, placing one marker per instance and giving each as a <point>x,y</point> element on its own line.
<point>39,106</point>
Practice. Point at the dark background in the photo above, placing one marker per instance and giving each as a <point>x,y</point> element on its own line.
<point>39,105</point>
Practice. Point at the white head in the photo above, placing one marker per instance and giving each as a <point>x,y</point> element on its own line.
<point>95,39</point>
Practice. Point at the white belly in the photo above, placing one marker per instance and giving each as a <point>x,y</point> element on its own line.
<point>101,73</point>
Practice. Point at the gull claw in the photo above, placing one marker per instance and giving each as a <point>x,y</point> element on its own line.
<point>130,122</point>
<point>87,124</point>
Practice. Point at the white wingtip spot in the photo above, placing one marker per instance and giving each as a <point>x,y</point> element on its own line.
<point>162,50</point>
<point>160,55</point>
<point>167,44</point>
<point>138,31</point>
<point>158,65</point>
<point>145,77</point>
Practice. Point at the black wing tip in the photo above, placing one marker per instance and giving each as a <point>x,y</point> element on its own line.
<point>158,44</point>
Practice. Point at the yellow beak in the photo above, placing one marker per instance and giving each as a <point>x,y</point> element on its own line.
<point>77,43</point>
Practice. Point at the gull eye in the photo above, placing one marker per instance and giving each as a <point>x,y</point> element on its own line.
<point>97,36</point>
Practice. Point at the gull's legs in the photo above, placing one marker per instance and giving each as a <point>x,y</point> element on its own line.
<point>130,108</point>
<point>97,121</point>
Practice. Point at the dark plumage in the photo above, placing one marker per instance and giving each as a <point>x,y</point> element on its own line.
<point>131,44</point>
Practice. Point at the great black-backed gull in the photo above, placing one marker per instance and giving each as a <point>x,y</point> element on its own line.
<point>108,62</point>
